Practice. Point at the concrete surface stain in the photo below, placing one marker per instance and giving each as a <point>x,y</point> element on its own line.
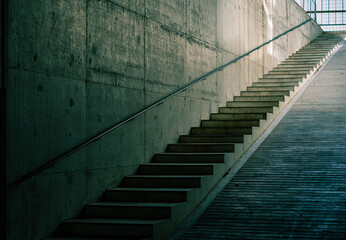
<point>71,102</point>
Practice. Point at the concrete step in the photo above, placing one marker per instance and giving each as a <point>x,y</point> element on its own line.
<point>229,130</point>
<point>289,72</point>
<point>320,45</point>
<point>110,227</point>
<point>294,79</point>
<point>296,62</point>
<point>311,54</point>
<point>302,54</point>
<point>303,61</point>
<point>113,238</point>
<point>315,50</point>
<point>151,195</point>
<point>128,210</point>
<point>318,48</point>
<point>191,157</point>
<point>238,116</point>
<point>305,58</point>
<point>291,75</point>
<point>229,123</point>
<point>253,104</point>
<point>260,98</point>
<point>305,51</point>
<point>271,88</point>
<point>275,84</point>
<point>294,65</point>
<point>306,55</point>
<point>265,93</point>
<point>200,147</point>
<point>176,169</point>
<point>157,181</point>
<point>211,139</point>
<point>246,109</point>
<point>290,68</point>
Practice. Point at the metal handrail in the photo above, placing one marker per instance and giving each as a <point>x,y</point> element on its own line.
<point>87,142</point>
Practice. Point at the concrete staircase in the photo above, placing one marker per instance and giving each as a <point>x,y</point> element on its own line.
<point>152,203</point>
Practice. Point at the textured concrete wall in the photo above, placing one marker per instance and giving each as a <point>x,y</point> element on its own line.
<point>78,66</point>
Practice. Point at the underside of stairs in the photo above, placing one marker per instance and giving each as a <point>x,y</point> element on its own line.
<point>152,203</point>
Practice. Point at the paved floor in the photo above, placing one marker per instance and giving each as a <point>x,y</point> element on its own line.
<point>294,185</point>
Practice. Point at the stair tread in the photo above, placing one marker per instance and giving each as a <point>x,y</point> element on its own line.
<point>281,82</point>
<point>179,164</point>
<point>258,96</point>
<point>165,176</point>
<point>288,72</point>
<point>116,238</point>
<point>252,101</point>
<point>216,135</point>
<point>112,221</point>
<point>249,106</point>
<point>219,127</point>
<point>151,189</point>
<point>274,90</point>
<point>194,144</point>
<point>132,204</point>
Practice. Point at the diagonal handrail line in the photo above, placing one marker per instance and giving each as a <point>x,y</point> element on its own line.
<point>92,139</point>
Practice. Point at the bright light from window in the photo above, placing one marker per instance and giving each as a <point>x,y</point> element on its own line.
<point>330,14</point>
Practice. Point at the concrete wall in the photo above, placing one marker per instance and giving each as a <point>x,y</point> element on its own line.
<point>78,66</point>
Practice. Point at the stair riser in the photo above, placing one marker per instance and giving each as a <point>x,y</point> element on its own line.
<point>285,88</point>
<point>238,116</point>
<point>189,158</point>
<point>265,93</point>
<point>127,212</point>
<point>175,170</point>
<point>284,75</point>
<point>209,139</point>
<point>296,67</point>
<point>262,98</point>
<point>280,80</point>
<point>308,53</point>
<point>240,123</point>
<point>252,104</point>
<point>320,46</point>
<point>275,84</point>
<point>311,52</point>
<point>221,131</point>
<point>316,48</point>
<point>200,148</point>
<point>306,58</point>
<point>162,182</point>
<point>106,230</point>
<point>145,196</point>
<point>300,73</point>
<point>295,63</point>
<point>302,60</point>
<point>246,110</point>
